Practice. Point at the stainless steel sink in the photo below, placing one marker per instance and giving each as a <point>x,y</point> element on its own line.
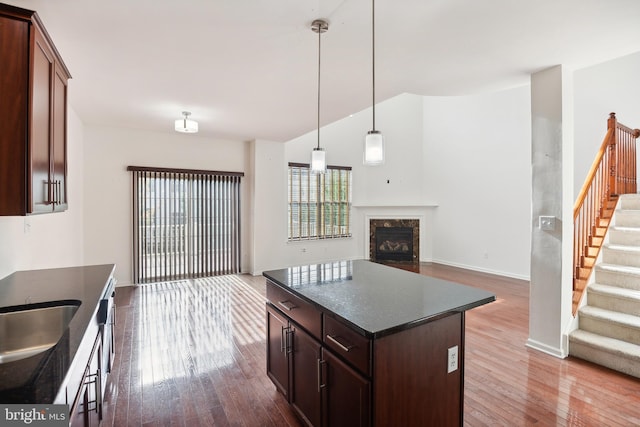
<point>27,332</point>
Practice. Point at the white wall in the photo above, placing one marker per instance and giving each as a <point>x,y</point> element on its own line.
<point>49,240</point>
<point>400,120</point>
<point>470,156</point>
<point>478,169</point>
<point>108,199</point>
<point>599,90</point>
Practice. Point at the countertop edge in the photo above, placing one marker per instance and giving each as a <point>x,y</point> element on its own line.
<point>386,331</point>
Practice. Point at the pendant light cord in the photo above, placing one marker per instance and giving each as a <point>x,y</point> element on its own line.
<point>373,59</point>
<point>319,37</point>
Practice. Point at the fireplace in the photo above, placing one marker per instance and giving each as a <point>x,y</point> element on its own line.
<point>394,240</point>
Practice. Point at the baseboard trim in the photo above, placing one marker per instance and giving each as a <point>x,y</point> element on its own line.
<point>482,270</point>
<point>553,351</point>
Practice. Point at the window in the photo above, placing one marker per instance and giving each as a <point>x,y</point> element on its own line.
<point>319,204</point>
<point>186,223</point>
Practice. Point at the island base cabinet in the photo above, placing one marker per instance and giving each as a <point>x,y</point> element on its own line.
<point>413,384</point>
<point>306,364</point>
<point>278,367</point>
<point>322,389</point>
<point>346,395</point>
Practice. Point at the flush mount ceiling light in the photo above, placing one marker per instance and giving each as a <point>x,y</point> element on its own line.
<point>185,124</point>
<point>318,155</point>
<point>373,141</point>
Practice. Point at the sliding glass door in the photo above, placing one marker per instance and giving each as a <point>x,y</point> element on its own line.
<point>186,224</point>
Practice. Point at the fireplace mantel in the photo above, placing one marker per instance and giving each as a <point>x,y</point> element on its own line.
<point>432,205</point>
<point>424,213</point>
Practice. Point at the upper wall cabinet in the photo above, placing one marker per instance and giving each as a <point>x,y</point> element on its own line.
<point>33,108</point>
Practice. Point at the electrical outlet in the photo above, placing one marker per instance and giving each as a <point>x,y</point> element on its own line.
<point>452,359</point>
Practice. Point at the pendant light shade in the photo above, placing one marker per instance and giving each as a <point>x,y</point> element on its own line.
<point>373,148</point>
<point>318,155</point>
<point>185,124</point>
<point>318,160</point>
<point>373,141</point>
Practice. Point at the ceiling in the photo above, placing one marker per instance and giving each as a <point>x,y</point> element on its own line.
<point>247,69</point>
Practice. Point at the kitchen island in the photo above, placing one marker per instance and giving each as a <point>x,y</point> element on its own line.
<point>359,343</point>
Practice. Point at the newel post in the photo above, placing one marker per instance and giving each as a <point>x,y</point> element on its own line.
<point>613,165</point>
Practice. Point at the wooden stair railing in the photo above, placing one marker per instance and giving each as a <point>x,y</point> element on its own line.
<point>612,173</point>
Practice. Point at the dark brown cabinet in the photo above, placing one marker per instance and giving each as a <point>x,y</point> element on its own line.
<point>278,335</point>
<point>33,137</point>
<point>322,389</point>
<point>345,394</point>
<point>306,382</point>
<point>342,377</point>
<point>293,360</point>
<point>86,382</point>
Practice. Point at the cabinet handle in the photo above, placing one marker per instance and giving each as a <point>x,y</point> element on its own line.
<point>98,390</point>
<point>113,333</point>
<point>95,380</point>
<point>113,315</point>
<point>283,338</point>
<point>320,385</point>
<point>59,192</point>
<point>339,344</point>
<point>288,305</point>
<point>54,193</point>
<point>49,192</point>
<point>289,339</point>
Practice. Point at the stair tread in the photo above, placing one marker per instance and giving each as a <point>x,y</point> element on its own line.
<point>628,232</point>
<point>606,343</point>
<point>615,291</point>
<point>612,316</point>
<point>618,268</point>
<point>619,247</point>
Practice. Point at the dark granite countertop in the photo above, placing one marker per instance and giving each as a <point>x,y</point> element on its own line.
<point>37,379</point>
<point>376,299</point>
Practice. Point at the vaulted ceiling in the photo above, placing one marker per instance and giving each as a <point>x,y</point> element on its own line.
<point>247,69</point>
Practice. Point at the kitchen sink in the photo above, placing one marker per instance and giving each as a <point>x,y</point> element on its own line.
<point>34,329</point>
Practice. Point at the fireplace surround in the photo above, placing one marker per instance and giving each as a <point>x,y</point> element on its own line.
<point>394,240</point>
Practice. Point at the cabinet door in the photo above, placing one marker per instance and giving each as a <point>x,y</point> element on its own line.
<point>278,349</point>
<point>305,390</point>
<point>14,90</point>
<point>40,124</point>
<point>59,143</point>
<point>346,395</point>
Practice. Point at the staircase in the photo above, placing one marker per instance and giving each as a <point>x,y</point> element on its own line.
<point>609,323</point>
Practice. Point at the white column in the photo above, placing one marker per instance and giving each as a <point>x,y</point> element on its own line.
<point>552,194</point>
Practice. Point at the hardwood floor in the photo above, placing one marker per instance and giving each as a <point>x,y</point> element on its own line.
<point>192,353</point>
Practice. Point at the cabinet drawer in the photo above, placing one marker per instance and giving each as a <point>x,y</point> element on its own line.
<point>298,310</point>
<point>350,345</point>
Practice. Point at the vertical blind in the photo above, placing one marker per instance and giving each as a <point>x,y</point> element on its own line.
<point>186,223</point>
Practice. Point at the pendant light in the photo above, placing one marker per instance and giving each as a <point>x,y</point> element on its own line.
<point>373,141</point>
<point>318,155</point>
<point>185,124</point>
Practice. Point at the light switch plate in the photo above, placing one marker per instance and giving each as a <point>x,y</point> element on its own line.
<point>452,359</point>
<point>547,223</point>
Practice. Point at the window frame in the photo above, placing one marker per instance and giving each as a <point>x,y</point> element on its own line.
<point>321,203</point>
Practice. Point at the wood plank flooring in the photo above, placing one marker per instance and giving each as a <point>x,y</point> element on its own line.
<point>192,353</point>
